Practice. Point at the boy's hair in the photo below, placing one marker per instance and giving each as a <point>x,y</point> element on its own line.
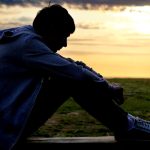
<point>53,16</point>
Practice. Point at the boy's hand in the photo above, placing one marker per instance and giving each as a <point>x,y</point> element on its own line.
<point>117,93</point>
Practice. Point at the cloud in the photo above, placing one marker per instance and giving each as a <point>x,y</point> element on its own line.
<point>84,3</point>
<point>87,26</point>
<point>21,2</point>
<point>109,2</point>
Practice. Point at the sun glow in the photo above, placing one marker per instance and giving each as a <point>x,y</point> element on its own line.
<point>114,42</point>
<point>118,45</point>
<point>139,16</point>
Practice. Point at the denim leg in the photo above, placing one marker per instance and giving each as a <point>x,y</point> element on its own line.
<point>90,96</point>
<point>98,103</point>
<point>50,98</point>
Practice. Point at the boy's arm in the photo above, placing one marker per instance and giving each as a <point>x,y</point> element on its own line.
<point>116,91</point>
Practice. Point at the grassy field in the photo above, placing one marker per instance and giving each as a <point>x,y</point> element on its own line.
<point>72,120</point>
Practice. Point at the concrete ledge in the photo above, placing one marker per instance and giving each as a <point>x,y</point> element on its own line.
<point>67,140</point>
<point>42,143</point>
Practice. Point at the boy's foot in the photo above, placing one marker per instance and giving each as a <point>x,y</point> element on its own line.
<point>139,132</point>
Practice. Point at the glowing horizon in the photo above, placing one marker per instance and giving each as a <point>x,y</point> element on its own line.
<point>114,42</point>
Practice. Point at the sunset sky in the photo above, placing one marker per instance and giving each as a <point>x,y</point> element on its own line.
<point>113,39</point>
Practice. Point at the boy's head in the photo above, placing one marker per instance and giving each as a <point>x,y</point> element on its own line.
<point>54,24</point>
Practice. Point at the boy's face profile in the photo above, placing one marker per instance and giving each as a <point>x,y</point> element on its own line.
<point>56,40</point>
<point>54,24</point>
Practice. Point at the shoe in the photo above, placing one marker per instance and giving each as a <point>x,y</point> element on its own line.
<point>139,132</point>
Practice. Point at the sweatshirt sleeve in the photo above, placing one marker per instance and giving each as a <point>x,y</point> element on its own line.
<point>39,57</point>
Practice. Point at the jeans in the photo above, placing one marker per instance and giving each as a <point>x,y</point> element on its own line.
<point>90,96</point>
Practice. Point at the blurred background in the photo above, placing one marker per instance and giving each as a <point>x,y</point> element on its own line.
<point>112,36</point>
